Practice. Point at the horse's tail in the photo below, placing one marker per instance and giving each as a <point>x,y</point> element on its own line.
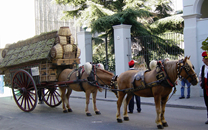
<point>114,86</point>
<point>115,92</point>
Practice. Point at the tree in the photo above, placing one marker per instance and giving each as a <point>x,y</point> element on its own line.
<point>163,8</point>
<point>100,16</point>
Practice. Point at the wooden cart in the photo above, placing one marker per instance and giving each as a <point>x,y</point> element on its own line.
<point>31,71</point>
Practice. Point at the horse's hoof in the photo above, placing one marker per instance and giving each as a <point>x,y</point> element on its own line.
<point>119,120</point>
<point>126,118</point>
<point>69,110</point>
<point>97,113</point>
<point>160,127</point>
<point>88,114</point>
<point>64,111</point>
<point>165,124</point>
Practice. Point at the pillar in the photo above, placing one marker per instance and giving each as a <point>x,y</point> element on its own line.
<point>84,40</point>
<point>122,45</point>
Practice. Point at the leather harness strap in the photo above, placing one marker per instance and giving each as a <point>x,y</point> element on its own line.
<point>162,79</point>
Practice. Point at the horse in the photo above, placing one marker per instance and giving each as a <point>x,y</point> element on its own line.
<point>157,83</point>
<point>93,78</point>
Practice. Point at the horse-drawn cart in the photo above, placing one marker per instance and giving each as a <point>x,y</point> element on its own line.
<point>31,67</point>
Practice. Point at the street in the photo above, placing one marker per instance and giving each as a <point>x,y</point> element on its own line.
<point>45,118</point>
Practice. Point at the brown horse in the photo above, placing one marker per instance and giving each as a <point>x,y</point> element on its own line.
<point>157,83</point>
<point>93,78</point>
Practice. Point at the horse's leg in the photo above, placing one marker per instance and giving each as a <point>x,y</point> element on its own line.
<point>67,99</point>
<point>126,102</point>
<point>63,98</point>
<point>157,99</point>
<point>94,103</point>
<point>119,103</point>
<point>87,94</point>
<point>164,101</point>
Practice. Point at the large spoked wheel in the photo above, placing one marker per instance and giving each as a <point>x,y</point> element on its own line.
<point>24,90</point>
<point>51,96</point>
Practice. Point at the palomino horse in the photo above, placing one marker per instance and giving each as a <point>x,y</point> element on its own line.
<point>93,78</point>
<point>157,83</point>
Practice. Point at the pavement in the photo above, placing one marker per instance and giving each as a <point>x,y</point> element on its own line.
<point>174,101</point>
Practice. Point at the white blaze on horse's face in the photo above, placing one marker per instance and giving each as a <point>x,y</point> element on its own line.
<point>88,67</point>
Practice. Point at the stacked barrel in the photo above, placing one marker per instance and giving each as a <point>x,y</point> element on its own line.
<point>65,47</point>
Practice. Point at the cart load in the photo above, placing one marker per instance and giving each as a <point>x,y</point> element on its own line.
<point>44,55</point>
<point>31,67</point>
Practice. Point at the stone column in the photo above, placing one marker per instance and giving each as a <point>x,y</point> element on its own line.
<point>122,45</point>
<point>191,15</point>
<point>84,40</point>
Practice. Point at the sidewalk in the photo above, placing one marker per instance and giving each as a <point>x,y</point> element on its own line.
<point>174,101</point>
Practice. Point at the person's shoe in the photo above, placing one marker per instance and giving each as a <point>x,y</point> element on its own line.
<point>130,112</point>
<point>181,97</point>
<point>40,102</point>
<point>188,97</point>
<point>206,122</point>
<point>138,110</point>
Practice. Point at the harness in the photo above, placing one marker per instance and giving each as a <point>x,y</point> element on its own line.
<point>162,79</point>
<point>92,79</point>
<point>161,76</point>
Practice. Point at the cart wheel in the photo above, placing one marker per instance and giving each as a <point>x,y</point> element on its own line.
<point>52,96</point>
<point>24,90</point>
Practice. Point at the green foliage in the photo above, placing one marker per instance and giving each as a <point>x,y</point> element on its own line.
<point>205,45</point>
<point>172,24</point>
<point>163,8</point>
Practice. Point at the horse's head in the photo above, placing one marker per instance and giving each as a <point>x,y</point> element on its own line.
<point>100,76</point>
<point>185,69</point>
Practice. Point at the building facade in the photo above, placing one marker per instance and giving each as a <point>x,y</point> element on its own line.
<point>195,14</point>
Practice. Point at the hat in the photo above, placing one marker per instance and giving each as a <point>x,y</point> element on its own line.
<point>131,63</point>
<point>204,54</point>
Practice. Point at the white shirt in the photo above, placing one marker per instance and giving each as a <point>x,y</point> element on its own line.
<point>205,72</point>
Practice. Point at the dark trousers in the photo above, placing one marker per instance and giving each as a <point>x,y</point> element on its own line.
<point>138,104</point>
<point>206,101</point>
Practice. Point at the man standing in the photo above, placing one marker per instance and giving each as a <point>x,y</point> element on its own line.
<point>183,82</point>
<point>131,103</point>
<point>203,75</point>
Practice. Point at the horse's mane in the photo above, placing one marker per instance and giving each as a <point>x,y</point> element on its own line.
<point>105,71</point>
<point>170,67</point>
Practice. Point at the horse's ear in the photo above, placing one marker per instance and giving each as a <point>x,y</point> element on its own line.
<point>189,57</point>
<point>116,78</point>
<point>185,59</point>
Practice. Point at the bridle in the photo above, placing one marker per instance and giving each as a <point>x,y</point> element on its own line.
<point>96,77</point>
<point>184,66</point>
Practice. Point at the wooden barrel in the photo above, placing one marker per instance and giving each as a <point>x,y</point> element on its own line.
<point>68,48</point>
<point>78,52</point>
<point>64,31</point>
<point>57,51</point>
<point>63,40</point>
<point>68,51</point>
<point>71,40</point>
